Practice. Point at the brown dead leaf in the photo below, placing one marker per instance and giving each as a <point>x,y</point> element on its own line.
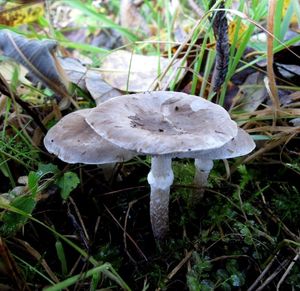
<point>15,14</point>
<point>130,17</point>
<point>126,71</point>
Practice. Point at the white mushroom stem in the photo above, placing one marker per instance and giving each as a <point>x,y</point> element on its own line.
<point>203,167</point>
<point>160,178</point>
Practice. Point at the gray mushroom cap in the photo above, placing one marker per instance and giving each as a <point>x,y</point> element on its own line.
<point>160,122</point>
<point>240,145</point>
<point>74,141</point>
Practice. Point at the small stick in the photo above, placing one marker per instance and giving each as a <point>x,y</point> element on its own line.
<point>262,274</point>
<point>130,238</point>
<point>289,268</point>
<point>125,231</point>
<point>79,217</point>
<point>5,90</point>
<point>275,273</point>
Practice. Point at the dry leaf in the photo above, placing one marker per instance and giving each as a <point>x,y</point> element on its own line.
<point>232,34</point>
<point>130,17</point>
<point>38,57</point>
<point>252,93</point>
<point>75,71</point>
<point>99,89</point>
<point>286,4</point>
<point>21,14</point>
<point>135,73</point>
<point>8,69</point>
<point>89,80</point>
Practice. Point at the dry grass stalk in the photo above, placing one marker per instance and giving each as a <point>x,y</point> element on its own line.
<point>272,88</point>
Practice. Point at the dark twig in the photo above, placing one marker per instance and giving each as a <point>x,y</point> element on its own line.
<point>77,228</point>
<point>262,274</point>
<point>273,275</point>
<point>130,238</point>
<point>5,91</point>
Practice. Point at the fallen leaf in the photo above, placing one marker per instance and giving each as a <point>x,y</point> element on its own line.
<point>21,14</point>
<point>38,57</point>
<point>99,89</point>
<point>89,80</point>
<point>75,71</point>
<point>130,17</point>
<point>136,73</point>
<point>252,93</point>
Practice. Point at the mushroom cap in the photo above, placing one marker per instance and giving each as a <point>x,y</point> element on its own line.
<point>74,141</point>
<point>240,145</point>
<point>162,122</point>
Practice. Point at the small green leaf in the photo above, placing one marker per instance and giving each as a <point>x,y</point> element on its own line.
<point>13,221</point>
<point>45,169</point>
<point>33,179</point>
<point>67,183</point>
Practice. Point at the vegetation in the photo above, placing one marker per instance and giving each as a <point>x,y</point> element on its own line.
<point>83,227</point>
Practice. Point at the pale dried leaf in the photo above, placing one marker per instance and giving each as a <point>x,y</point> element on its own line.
<point>295,121</point>
<point>135,73</point>
<point>252,93</point>
<point>89,80</point>
<point>99,89</point>
<point>7,71</point>
<point>75,71</point>
<point>130,17</point>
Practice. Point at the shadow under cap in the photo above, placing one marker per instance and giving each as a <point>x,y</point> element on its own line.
<point>74,141</point>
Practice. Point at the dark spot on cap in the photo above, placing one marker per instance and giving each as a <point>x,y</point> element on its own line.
<point>160,130</point>
<point>52,140</point>
<point>176,108</point>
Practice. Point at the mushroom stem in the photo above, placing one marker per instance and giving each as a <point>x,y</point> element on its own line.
<point>160,178</point>
<point>203,167</point>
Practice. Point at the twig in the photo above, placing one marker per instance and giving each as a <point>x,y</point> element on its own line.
<point>179,266</point>
<point>275,273</point>
<point>79,217</point>
<point>125,231</point>
<point>289,268</point>
<point>33,252</point>
<point>130,238</point>
<point>4,89</point>
<point>262,274</point>
<point>229,257</point>
<point>277,220</point>
<point>10,268</point>
<point>77,227</point>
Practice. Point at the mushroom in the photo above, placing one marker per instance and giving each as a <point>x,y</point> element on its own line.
<point>73,141</point>
<point>240,145</point>
<point>164,125</point>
